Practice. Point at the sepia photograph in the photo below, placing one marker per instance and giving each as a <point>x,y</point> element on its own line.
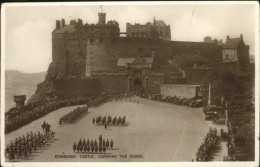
<point>90,82</point>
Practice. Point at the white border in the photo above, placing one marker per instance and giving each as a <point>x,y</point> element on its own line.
<point>143,164</point>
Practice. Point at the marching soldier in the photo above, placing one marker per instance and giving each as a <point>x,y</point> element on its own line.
<point>104,150</point>
<point>107,143</point>
<point>104,143</point>
<point>100,138</point>
<point>100,149</point>
<point>74,146</point>
<point>111,143</point>
<point>96,149</point>
<point>88,142</point>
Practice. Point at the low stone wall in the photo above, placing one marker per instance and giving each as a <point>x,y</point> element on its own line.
<point>184,91</point>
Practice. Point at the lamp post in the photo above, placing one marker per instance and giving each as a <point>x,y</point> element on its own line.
<point>209,98</point>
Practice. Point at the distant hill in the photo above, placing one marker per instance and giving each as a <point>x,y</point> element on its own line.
<point>18,83</point>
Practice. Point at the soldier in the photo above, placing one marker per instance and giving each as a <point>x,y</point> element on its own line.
<point>84,148</point>
<point>100,149</point>
<point>107,143</point>
<point>104,150</point>
<point>96,149</point>
<point>104,143</point>
<point>43,126</point>
<point>105,125</point>
<point>80,142</point>
<point>95,143</point>
<point>84,142</point>
<point>88,142</point>
<point>93,120</point>
<point>74,146</point>
<point>100,138</point>
<point>91,143</point>
<point>111,143</point>
<point>92,149</point>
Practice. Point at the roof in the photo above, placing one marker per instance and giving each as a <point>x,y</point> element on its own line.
<point>124,61</point>
<point>65,29</point>
<point>232,43</point>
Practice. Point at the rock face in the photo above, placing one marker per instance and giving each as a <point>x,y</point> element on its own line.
<point>58,70</point>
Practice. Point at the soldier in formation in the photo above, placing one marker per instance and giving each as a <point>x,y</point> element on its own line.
<point>92,145</point>
<point>209,144</point>
<point>36,109</point>
<point>109,120</point>
<point>73,115</point>
<point>25,145</point>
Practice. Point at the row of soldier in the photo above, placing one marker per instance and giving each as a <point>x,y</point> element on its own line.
<point>122,94</point>
<point>92,146</point>
<point>209,144</point>
<point>109,120</point>
<point>35,110</point>
<point>73,115</point>
<point>23,147</point>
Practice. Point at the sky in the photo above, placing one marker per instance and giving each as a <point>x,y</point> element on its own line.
<point>28,28</point>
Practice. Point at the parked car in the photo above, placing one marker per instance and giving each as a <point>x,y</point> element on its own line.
<point>210,115</point>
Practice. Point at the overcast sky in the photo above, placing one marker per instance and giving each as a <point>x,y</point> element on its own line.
<point>28,29</point>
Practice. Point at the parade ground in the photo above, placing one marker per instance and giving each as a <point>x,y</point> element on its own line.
<point>154,131</point>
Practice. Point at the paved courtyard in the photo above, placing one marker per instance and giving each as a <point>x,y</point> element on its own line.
<point>156,131</point>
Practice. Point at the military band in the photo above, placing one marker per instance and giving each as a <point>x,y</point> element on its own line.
<point>92,146</point>
<point>109,120</point>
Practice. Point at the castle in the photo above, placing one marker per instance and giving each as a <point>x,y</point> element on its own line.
<point>144,57</point>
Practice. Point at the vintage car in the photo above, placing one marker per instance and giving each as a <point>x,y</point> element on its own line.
<point>156,97</point>
<point>180,101</point>
<point>197,103</point>
<point>210,115</point>
<point>187,101</point>
<point>211,108</point>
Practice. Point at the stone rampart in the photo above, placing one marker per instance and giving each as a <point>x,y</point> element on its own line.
<point>183,91</point>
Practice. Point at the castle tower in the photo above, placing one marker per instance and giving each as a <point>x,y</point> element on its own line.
<point>19,100</point>
<point>102,18</point>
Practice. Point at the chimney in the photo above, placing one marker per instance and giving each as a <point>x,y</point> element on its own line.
<point>227,37</point>
<point>19,100</point>
<point>57,24</point>
<point>241,36</point>
<point>62,22</point>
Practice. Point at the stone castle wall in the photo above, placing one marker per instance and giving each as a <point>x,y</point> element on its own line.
<point>104,56</point>
<point>183,91</point>
<point>78,86</point>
